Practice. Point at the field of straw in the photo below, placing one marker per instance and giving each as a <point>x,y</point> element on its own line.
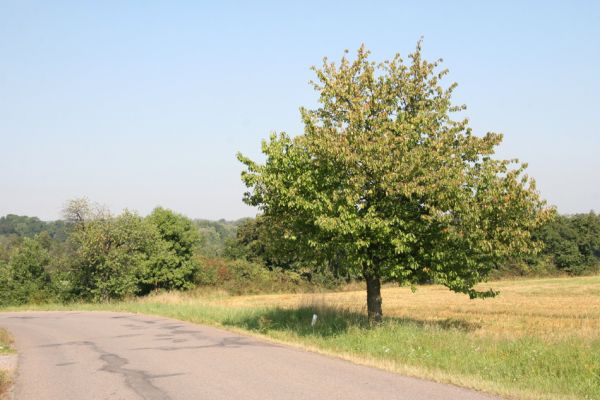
<point>554,308</point>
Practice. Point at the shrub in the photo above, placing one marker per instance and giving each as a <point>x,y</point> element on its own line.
<point>246,277</point>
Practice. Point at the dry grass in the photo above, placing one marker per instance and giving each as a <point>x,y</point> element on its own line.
<point>6,341</point>
<point>5,383</point>
<point>550,309</point>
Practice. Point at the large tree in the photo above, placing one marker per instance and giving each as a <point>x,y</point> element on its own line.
<point>384,177</point>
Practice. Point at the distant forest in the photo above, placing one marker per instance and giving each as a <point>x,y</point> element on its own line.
<point>213,234</point>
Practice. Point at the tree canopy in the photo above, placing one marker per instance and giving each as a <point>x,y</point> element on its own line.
<point>110,255</point>
<point>171,265</point>
<point>25,278</point>
<point>386,179</point>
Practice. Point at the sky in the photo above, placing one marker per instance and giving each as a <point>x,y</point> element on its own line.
<point>135,104</point>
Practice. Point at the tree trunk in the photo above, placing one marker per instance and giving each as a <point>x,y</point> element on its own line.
<point>373,298</point>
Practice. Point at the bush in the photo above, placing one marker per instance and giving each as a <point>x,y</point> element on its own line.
<point>572,242</point>
<point>540,267</point>
<point>245,277</point>
<point>25,279</point>
<point>110,255</point>
<point>171,266</point>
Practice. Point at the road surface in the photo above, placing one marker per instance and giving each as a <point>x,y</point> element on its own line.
<point>98,355</point>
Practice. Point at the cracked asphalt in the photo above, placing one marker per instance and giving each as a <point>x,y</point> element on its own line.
<point>101,355</point>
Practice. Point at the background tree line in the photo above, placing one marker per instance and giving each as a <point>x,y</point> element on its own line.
<point>570,245</point>
<point>92,255</point>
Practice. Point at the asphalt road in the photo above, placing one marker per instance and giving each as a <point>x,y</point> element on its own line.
<point>84,355</point>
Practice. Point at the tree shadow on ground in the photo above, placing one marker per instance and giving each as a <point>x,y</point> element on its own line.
<point>332,321</point>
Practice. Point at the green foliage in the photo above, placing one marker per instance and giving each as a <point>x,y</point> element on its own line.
<point>23,226</point>
<point>572,243</point>
<point>260,258</point>
<point>177,230</point>
<point>260,240</point>
<point>127,255</point>
<point>111,252</point>
<point>386,181</point>
<point>7,245</point>
<point>245,277</point>
<point>25,279</point>
<point>171,266</point>
<point>215,236</point>
<point>247,243</point>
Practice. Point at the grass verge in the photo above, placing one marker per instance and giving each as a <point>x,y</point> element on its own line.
<point>5,348</point>
<point>6,342</point>
<point>538,340</point>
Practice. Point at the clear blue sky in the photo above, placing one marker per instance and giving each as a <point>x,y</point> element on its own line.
<point>143,103</point>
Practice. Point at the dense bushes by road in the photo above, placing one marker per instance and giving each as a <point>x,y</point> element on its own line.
<point>105,257</point>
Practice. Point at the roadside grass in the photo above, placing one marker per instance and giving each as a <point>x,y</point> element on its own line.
<point>5,348</point>
<point>6,342</point>
<point>5,383</point>
<point>539,339</point>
